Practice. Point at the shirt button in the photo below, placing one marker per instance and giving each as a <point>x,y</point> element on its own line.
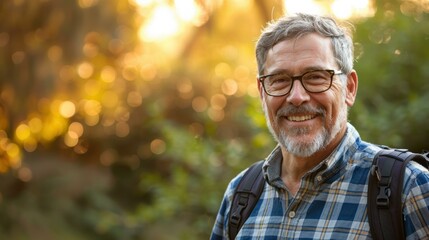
<point>319,178</point>
<point>292,214</point>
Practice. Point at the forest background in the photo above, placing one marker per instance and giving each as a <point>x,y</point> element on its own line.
<point>127,119</point>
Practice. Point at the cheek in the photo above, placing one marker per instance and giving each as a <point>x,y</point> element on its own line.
<point>271,105</point>
<point>337,108</point>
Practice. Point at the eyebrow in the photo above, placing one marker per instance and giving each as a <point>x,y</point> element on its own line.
<point>305,70</point>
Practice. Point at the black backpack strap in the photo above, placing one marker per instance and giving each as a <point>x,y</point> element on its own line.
<point>385,192</point>
<point>246,196</point>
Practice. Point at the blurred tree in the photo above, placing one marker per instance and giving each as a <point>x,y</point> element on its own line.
<point>392,102</point>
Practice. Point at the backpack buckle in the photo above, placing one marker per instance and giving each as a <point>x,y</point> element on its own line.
<point>383,197</point>
<point>384,193</point>
<point>242,203</point>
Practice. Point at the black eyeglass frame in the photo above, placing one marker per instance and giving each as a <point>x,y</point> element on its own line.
<point>299,78</point>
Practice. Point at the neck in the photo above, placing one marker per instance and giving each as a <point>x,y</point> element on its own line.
<point>295,167</point>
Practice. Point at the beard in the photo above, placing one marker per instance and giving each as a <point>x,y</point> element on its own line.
<point>292,138</point>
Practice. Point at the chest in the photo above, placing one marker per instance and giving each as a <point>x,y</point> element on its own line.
<point>335,209</point>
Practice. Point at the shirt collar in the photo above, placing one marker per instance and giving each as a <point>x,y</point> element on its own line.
<point>334,162</point>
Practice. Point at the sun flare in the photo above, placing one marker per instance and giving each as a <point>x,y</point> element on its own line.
<point>343,9</point>
<point>163,23</point>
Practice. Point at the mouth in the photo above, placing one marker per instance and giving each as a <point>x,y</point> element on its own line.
<point>301,118</point>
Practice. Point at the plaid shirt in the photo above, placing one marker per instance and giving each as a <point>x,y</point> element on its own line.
<point>331,202</point>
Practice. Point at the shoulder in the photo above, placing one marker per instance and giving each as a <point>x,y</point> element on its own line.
<point>416,177</point>
<point>220,228</point>
<point>416,197</point>
<point>232,185</point>
<point>365,152</point>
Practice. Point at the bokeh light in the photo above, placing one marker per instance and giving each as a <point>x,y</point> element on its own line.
<point>343,9</point>
<point>157,146</point>
<point>162,24</point>
<point>67,109</point>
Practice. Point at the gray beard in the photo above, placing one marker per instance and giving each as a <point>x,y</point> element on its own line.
<point>305,148</point>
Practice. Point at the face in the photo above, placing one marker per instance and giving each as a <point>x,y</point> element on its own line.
<point>307,123</point>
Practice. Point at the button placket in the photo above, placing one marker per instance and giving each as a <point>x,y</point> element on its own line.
<point>293,207</point>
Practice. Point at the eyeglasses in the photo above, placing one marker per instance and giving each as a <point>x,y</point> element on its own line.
<point>280,84</point>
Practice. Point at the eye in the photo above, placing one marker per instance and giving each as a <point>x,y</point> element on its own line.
<point>280,79</point>
<point>316,76</point>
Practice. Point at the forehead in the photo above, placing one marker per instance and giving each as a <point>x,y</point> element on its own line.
<point>309,51</point>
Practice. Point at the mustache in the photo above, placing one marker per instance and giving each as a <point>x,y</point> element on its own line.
<point>303,109</point>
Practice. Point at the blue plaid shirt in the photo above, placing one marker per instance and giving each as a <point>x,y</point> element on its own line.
<point>331,202</point>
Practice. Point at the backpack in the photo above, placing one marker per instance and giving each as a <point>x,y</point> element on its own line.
<point>384,193</point>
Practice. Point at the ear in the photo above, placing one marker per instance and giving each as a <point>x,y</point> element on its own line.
<point>261,95</point>
<point>351,88</point>
<point>261,90</point>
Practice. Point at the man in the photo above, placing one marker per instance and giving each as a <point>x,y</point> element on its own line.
<point>317,176</point>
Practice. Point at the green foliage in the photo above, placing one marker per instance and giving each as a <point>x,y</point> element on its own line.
<point>391,106</point>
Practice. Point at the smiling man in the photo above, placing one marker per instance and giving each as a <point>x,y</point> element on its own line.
<point>316,178</point>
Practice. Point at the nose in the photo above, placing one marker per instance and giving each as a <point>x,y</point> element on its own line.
<point>297,95</point>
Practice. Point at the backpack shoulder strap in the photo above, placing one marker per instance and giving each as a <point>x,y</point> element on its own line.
<point>246,196</point>
<point>385,192</point>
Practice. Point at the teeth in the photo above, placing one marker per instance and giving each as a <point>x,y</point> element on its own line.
<point>300,118</point>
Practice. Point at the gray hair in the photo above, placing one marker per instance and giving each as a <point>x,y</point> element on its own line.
<point>292,27</point>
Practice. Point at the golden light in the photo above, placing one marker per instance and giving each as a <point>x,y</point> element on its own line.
<point>67,109</point>
<point>141,3</point>
<point>199,104</point>
<point>216,115</point>
<point>110,99</point>
<point>92,120</point>
<point>53,127</point>
<point>77,128</point>
<point>229,87</point>
<point>25,174</point>
<point>306,6</point>
<point>30,144</point>
<point>92,107</point>
<point>190,12</point>
<point>185,89</point>
<point>22,132</point>
<point>218,101</point>
<point>90,50</point>
<point>163,23</point>
<point>87,3</point>
<point>35,125</point>
<point>148,71</point>
<point>14,154</point>
<point>157,146</point>
<point>223,70</point>
<point>122,129</point>
<point>55,53</point>
<point>134,99</point>
<point>108,74</point>
<point>186,9</point>
<point>71,139</point>
<point>85,70</point>
<point>92,87</point>
<point>10,152</point>
<point>252,90</point>
<point>130,73</point>
<point>343,9</point>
